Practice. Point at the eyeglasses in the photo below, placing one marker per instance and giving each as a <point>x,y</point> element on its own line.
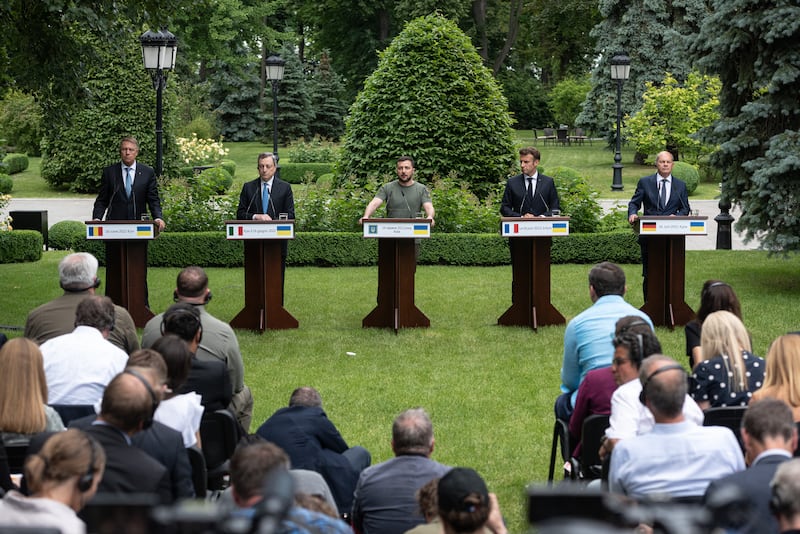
<point>619,361</point>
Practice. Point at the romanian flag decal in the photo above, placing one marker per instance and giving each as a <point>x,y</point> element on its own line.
<point>95,231</point>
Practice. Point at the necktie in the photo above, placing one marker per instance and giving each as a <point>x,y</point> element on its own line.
<point>265,198</point>
<point>662,199</point>
<point>128,181</point>
<point>529,192</point>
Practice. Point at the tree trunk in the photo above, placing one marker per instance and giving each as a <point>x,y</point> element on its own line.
<point>479,16</point>
<point>511,37</point>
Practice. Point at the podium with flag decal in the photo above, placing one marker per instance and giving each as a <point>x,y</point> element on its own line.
<point>126,263</point>
<point>666,266</point>
<point>530,267</point>
<point>397,265</point>
<point>263,279</point>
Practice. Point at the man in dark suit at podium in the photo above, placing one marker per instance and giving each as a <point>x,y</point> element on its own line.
<point>658,194</point>
<point>127,188</point>
<point>529,194</point>
<point>267,198</point>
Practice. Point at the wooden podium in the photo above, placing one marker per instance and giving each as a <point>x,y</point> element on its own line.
<point>263,279</point>
<point>126,263</point>
<point>666,266</point>
<point>397,265</point>
<point>530,301</point>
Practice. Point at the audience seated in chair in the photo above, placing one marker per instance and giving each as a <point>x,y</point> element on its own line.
<point>23,396</point>
<point>677,458</point>
<point>782,368</point>
<point>715,295</point>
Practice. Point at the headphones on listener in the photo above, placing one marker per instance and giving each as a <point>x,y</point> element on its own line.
<point>94,285</point>
<point>643,393</point>
<point>176,296</point>
<point>87,479</point>
<point>625,338</point>
<point>148,422</point>
<point>173,314</point>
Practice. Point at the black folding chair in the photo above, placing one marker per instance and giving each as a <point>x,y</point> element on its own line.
<point>560,439</point>
<point>219,435</point>
<point>589,466</point>
<point>727,416</point>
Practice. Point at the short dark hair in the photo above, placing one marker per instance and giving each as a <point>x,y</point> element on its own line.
<point>409,159</point>
<point>192,282</point>
<point>305,396</point>
<point>149,359</point>
<point>97,311</point>
<point>607,279</point>
<point>769,418</point>
<point>181,319</point>
<point>412,432</point>
<point>636,335</point>
<point>531,151</point>
<point>251,462</point>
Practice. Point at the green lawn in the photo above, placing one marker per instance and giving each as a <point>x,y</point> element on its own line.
<point>489,389</point>
<point>594,161</point>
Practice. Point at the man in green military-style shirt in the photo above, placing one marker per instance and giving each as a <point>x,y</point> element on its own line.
<point>404,197</point>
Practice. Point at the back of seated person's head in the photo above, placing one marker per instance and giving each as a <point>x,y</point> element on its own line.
<point>96,311</point>
<point>785,488</point>
<point>149,359</point>
<point>249,465</point>
<point>463,498</point>
<point>412,433</point>
<point>637,337</point>
<point>315,503</point>
<point>717,295</point>
<point>783,368</point>
<point>427,500</point>
<point>127,403</point>
<point>178,359</point>
<point>665,385</point>
<point>24,390</point>
<point>607,279</point>
<point>183,320</point>
<point>723,333</point>
<point>192,282</point>
<point>78,271</point>
<point>769,418</point>
<point>63,456</point>
<point>305,396</point>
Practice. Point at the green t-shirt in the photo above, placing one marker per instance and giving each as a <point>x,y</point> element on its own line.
<point>403,202</point>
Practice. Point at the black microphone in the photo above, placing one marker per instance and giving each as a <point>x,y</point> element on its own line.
<point>524,196</point>
<point>684,206</point>
<point>252,199</point>
<point>546,207</point>
<point>274,211</point>
<point>116,188</point>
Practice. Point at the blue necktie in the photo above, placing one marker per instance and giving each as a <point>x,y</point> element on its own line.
<point>128,181</point>
<point>265,198</point>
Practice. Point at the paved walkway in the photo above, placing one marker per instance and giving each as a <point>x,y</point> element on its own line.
<point>81,210</point>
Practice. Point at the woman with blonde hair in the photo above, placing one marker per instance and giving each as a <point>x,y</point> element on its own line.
<point>729,372</point>
<point>61,479</point>
<point>782,380</point>
<point>23,397</point>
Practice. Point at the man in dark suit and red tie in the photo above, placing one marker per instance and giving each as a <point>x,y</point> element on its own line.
<point>267,198</point>
<point>658,194</point>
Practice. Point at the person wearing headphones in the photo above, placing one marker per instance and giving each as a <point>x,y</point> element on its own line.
<point>219,340</point>
<point>128,407</point>
<point>785,502</point>
<point>677,458</point>
<point>61,478</point>
<point>77,275</point>
<point>79,365</point>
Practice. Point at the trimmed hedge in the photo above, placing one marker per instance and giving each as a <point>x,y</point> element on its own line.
<point>15,163</point>
<point>66,235</point>
<point>327,249</point>
<point>6,184</point>
<point>19,246</point>
<point>295,173</point>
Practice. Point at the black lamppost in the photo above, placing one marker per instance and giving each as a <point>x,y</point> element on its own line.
<point>620,71</point>
<point>274,66</point>
<point>158,54</point>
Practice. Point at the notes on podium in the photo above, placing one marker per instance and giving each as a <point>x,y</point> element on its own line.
<point>126,262</point>
<point>397,265</point>
<point>263,273</point>
<point>666,266</point>
<point>530,240</point>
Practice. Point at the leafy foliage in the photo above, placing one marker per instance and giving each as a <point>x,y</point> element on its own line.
<point>526,99</point>
<point>430,98</point>
<point>314,150</point>
<point>234,93</point>
<point>65,235</point>
<point>328,105</point>
<point>752,47</point>
<point>21,122</point>
<point>688,173</point>
<point>193,205</point>
<point>566,97</point>
<point>578,200</point>
<point>218,179</point>
<point>200,151</point>
<point>6,184</point>
<point>672,113</point>
<point>15,163</point>
<point>294,100</point>
<point>21,246</point>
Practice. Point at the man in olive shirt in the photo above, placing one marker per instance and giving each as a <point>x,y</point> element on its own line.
<point>404,197</point>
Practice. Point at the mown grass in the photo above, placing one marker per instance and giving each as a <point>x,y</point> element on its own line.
<point>489,389</point>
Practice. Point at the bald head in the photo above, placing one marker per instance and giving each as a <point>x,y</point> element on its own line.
<point>664,386</point>
<point>127,401</point>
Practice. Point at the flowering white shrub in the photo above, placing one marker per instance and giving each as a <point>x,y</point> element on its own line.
<point>198,151</point>
<point>5,220</point>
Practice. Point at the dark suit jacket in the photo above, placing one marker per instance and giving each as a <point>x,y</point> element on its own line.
<point>754,484</point>
<point>646,195</point>
<point>281,200</point>
<point>545,197</point>
<point>209,379</point>
<point>312,442</point>
<point>165,445</point>
<point>128,468</point>
<point>112,195</point>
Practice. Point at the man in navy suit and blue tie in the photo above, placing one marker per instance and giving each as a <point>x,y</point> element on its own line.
<point>658,194</point>
<point>267,198</point>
